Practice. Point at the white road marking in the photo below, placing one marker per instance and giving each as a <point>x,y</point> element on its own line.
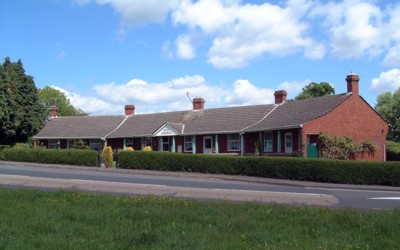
<point>384,198</point>
<point>354,190</point>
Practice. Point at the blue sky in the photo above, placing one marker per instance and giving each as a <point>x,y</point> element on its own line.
<point>107,53</point>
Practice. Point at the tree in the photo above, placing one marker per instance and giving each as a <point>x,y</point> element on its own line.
<point>7,129</point>
<point>388,107</point>
<point>49,96</point>
<point>25,115</point>
<point>316,90</point>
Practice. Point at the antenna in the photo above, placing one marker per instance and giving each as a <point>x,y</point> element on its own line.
<point>190,99</point>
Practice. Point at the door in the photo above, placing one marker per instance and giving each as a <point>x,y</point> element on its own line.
<point>207,145</point>
<point>288,143</point>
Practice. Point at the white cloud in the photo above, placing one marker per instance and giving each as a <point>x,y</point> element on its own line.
<point>387,81</point>
<point>245,93</point>
<point>137,12</point>
<point>184,47</point>
<point>243,32</point>
<point>293,88</point>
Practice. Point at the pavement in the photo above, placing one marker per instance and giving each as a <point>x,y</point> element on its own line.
<point>249,179</point>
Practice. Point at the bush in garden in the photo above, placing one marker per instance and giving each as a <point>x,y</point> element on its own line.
<point>392,151</point>
<point>52,156</point>
<point>147,148</point>
<point>129,149</point>
<point>292,168</point>
<point>107,156</point>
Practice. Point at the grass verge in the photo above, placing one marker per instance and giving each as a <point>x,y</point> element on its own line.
<point>31,219</point>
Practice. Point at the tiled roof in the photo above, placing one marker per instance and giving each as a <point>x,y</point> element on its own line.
<point>146,124</point>
<point>215,120</point>
<point>79,127</point>
<point>296,113</point>
<point>231,119</point>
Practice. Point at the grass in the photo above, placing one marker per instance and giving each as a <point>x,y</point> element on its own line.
<point>31,219</point>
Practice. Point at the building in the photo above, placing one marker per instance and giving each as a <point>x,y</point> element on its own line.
<point>282,128</point>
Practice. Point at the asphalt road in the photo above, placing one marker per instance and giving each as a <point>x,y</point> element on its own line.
<point>198,186</point>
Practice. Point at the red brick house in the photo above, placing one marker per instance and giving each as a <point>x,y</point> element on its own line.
<point>283,128</point>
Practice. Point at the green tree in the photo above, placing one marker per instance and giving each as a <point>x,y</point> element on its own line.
<point>49,96</point>
<point>26,114</point>
<point>7,129</point>
<point>388,107</point>
<point>314,89</point>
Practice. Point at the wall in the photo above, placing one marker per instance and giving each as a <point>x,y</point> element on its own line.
<point>353,118</point>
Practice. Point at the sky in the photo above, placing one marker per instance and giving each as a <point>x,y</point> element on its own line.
<point>104,54</point>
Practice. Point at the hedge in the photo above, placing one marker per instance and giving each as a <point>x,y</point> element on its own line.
<point>317,170</point>
<point>52,156</point>
<point>392,151</point>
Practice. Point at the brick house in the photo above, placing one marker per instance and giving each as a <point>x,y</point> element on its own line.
<point>282,128</point>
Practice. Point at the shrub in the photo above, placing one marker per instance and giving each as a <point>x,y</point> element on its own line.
<point>107,156</point>
<point>129,149</point>
<point>292,168</point>
<point>392,151</point>
<point>2,147</point>
<point>52,156</point>
<point>147,148</point>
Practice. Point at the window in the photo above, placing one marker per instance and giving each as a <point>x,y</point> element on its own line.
<point>148,141</point>
<point>165,144</point>
<point>54,144</point>
<point>188,144</point>
<point>128,142</point>
<point>234,142</point>
<point>96,144</point>
<point>268,141</point>
<point>70,143</point>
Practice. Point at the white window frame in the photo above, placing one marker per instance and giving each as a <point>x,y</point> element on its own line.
<point>188,144</point>
<point>69,144</point>
<point>96,142</point>
<point>128,142</point>
<point>53,144</point>
<point>165,141</point>
<point>291,142</point>
<point>269,142</point>
<point>233,141</point>
<point>147,140</point>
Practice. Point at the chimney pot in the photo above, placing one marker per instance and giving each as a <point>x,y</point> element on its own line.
<point>53,111</point>
<point>129,109</point>
<point>280,96</point>
<point>352,83</point>
<point>198,103</point>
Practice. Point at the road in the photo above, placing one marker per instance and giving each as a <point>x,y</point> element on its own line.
<point>198,186</point>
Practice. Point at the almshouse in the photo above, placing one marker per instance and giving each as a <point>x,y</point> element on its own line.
<point>282,128</point>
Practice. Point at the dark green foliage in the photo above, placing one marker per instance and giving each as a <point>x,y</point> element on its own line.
<point>52,156</point>
<point>343,147</point>
<point>314,89</point>
<point>392,151</point>
<point>292,168</point>
<point>49,96</point>
<point>22,116</point>
<point>388,107</point>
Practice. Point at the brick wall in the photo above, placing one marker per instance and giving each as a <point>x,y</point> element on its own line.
<point>353,118</point>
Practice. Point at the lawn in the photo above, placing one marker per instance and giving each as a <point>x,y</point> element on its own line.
<point>32,219</point>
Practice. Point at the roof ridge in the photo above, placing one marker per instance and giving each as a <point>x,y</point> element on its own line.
<point>126,118</point>
<point>261,118</point>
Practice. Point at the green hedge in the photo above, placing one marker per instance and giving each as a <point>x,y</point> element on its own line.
<point>318,170</point>
<point>52,156</point>
<point>392,151</point>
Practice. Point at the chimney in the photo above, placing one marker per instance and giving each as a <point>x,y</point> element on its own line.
<point>53,112</point>
<point>129,109</point>
<point>198,103</point>
<point>352,83</point>
<point>280,96</point>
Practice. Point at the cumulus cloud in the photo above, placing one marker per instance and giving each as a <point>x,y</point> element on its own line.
<point>137,12</point>
<point>387,81</point>
<point>293,88</point>
<point>185,50</point>
<point>110,98</point>
<point>243,32</point>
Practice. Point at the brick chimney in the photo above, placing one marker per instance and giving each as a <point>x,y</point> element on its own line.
<point>198,103</point>
<point>280,96</point>
<point>352,83</point>
<point>129,109</point>
<point>53,111</point>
